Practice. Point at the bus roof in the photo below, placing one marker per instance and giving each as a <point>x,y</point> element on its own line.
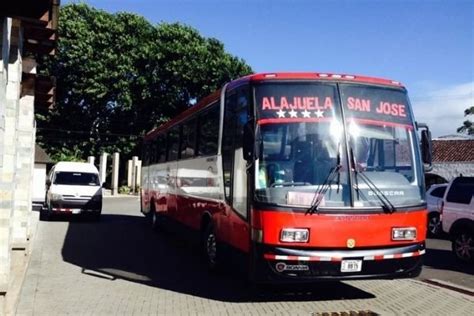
<point>277,76</point>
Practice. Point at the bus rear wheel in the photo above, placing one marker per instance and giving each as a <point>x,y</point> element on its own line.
<point>155,218</point>
<point>211,249</point>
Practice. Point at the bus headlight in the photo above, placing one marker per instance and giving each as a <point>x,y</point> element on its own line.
<point>403,233</point>
<point>294,235</point>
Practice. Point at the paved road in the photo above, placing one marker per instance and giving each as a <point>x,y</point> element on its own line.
<point>119,267</point>
<point>440,264</point>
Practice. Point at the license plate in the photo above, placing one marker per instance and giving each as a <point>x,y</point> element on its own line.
<point>351,265</point>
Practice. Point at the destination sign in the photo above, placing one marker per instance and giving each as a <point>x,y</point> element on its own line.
<point>298,101</point>
<point>375,103</point>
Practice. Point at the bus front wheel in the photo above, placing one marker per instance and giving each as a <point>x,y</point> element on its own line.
<point>211,249</point>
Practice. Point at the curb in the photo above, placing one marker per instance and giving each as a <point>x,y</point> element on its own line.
<point>450,286</point>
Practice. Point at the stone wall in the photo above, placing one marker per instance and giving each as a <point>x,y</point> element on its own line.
<point>450,170</point>
<point>7,154</point>
<point>17,137</point>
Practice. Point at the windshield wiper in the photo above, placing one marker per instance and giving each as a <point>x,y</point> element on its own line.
<point>386,205</point>
<point>319,195</point>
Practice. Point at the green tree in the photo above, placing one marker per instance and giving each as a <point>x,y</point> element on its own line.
<point>118,76</point>
<point>467,126</point>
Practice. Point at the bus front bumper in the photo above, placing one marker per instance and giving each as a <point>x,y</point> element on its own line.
<point>275,264</point>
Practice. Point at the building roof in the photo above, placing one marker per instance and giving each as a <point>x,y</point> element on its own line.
<point>453,150</point>
<point>41,156</point>
<point>455,137</point>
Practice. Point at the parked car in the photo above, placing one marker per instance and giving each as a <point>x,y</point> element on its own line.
<point>457,216</point>
<point>434,197</point>
<point>73,188</point>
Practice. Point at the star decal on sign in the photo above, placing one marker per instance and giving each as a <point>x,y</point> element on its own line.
<point>293,113</point>
<point>281,113</point>
<point>306,113</point>
<point>319,113</point>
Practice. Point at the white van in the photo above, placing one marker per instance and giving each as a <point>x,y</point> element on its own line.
<point>73,187</point>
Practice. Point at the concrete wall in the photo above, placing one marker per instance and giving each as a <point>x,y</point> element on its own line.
<point>17,137</point>
<point>450,170</point>
<point>39,181</point>
<point>7,153</point>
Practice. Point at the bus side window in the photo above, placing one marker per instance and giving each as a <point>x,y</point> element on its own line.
<point>160,151</point>
<point>173,144</point>
<point>188,139</point>
<point>208,131</point>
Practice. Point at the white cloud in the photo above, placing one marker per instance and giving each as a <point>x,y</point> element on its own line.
<point>443,109</point>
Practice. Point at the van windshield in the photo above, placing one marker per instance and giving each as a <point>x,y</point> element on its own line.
<point>76,178</point>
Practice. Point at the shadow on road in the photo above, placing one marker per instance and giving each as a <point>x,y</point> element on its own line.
<point>445,260</point>
<point>124,247</point>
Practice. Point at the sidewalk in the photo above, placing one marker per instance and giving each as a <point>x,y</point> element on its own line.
<point>19,265</point>
<point>20,260</point>
<point>108,193</point>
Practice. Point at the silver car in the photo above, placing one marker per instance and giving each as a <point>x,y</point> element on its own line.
<point>434,197</point>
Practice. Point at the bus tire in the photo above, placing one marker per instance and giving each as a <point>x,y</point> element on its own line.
<point>210,250</point>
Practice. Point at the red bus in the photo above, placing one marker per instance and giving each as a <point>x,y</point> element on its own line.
<point>307,176</point>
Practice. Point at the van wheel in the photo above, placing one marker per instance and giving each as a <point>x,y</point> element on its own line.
<point>45,214</point>
<point>96,216</point>
<point>463,245</point>
<point>434,225</point>
<point>210,249</point>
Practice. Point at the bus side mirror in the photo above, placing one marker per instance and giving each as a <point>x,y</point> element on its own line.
<point>426,147</point>
<point>48,183</point>
<point>248,142</point>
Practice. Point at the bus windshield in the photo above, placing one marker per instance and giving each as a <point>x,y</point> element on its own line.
<point>305,133</point>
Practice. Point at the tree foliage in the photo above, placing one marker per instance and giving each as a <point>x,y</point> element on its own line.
<point>468,126</point>
<point>119,76</point>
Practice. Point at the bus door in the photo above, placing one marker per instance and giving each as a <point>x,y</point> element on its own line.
<point>236,115</point>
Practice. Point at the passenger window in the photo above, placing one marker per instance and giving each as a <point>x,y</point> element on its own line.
<point>209,131</point>
<point>438,192</point>
<point>173,144</point>
<point>188,139</point>
<point>461,191</point>
<point>160,151</point>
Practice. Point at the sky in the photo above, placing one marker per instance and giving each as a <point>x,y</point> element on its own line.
<point>428,45</point>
